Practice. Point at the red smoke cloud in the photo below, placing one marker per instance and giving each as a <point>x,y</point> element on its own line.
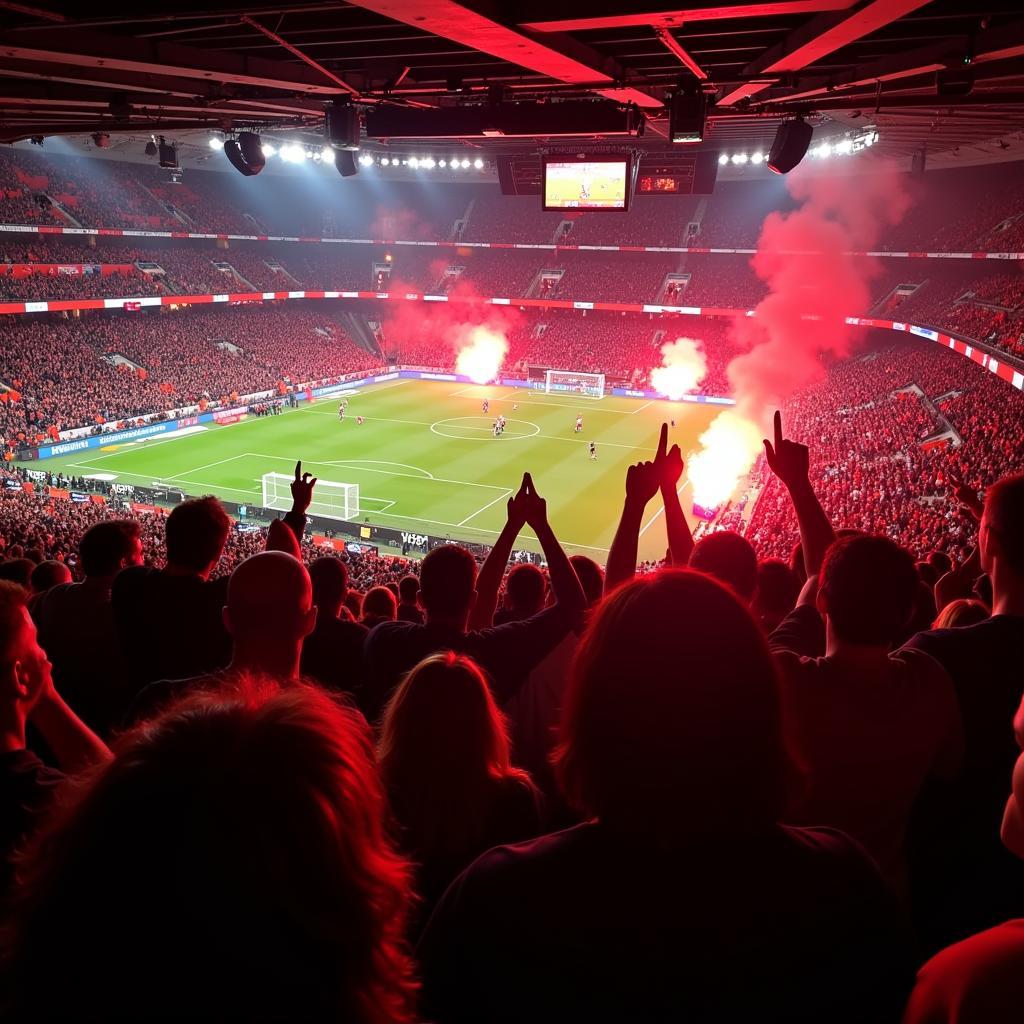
<point>814,283</point>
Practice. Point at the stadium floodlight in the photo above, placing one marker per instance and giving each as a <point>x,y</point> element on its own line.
<point>823,150</point>
<point>269,149</point>
<point>216,143</point>
<point>478,164</point>
<point>413,162</point>
<point>429,162</point>
<point>757,158</point>
<point>384,161</point>
<point>723,158</point>
<point>844,146</point>
<point>442,163</point>
<point>739,158</point>
<point>365,159</point>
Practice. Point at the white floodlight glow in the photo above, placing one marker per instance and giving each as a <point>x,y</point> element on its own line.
<point>216,143</point>
<point>414,162</point>
<point>365,159</point>
<point>429,162</point>
<point>269,149</point>
<point>327,154</point>
<point>739,158</point>
<point>757,158</point>
<point>824,150</point>
<point>723,158</point>
<point>844,146</point>
<point>478,163</point>
<point>465,163</point>
<point>442,163</point>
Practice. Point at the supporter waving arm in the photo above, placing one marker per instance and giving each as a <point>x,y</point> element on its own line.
<point>488,582</point>
<point>642,483</point>
<point>680,539</point>
<point>565,585</point>
<point>790,461</point>
<point>286,534</point>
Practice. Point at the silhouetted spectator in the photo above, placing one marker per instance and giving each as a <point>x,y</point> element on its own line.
<point>730,559</point>
<point>525,587</point>
<point>379,606</point>
<point>444,758</point>
<point>76,621</point>
<point>682,897</point>
<point>333,653</point>
<point>231,862</point>
<point>408,605</point>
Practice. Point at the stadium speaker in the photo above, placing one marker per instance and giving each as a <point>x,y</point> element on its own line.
<point>790,145</point>
<point>345,161</point>
<point>341,127</point>
<point>245,154</point>
<point>686,115</point>
<point>168,155</point>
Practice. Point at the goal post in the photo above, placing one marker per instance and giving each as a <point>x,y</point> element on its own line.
<point>330,499</point>
<point>571,382</point>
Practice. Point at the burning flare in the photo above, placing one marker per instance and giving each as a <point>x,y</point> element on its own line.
<point>481,353</point>
<point>728,449</point>
<point>683,367</point>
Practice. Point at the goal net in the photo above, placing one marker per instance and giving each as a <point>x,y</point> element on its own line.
<point>330,500</point>
<point>584,385</point>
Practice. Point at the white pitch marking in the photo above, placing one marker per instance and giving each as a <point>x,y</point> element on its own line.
<point>679,490</point>
<point>484,509</point>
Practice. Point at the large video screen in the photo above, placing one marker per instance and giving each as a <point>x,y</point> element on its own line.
<point>598,182</point>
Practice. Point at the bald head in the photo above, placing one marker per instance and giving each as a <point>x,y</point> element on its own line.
<point>269,610</point>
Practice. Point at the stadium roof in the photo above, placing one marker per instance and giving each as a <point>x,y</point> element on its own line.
<point>942,74</point>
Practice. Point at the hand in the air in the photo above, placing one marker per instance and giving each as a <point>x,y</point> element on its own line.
<point>788,460</point>
<point>526,506</point>
<point>302,489</point>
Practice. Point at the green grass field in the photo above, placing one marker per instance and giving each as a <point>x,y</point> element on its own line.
<point>425,459</point>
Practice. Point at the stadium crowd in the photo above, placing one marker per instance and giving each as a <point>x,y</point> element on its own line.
<point>725,789</point>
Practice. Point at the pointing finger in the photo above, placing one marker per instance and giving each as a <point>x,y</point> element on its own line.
<point>778,429</point>
<point>663,441</point>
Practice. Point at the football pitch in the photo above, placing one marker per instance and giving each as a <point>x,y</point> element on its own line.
<point>425,458</point>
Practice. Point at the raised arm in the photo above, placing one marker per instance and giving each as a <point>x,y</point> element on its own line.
<point>565,585</point>
<point>286,534</point>
<point>642,483</point>
<point>488,582</point>
<point>74,744</point>
<point>790,462</point>
<point>680,539</point>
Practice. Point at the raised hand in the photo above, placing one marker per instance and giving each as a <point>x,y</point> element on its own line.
<point>788,460</point>
<point>526,506</point>
<point>670,461</point>
<point>967,496</point>
<point>302,489</point>
<point>642,482</point>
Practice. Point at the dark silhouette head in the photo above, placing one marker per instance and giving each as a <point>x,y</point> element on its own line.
<point>329,576</point>
<point>868,589</point>
<point>525,587</point>
<point>591,578</point>
<point>672,720</point>
<point>778,588</point>
<point>964,611</point>
<point>108,547</point>
<point>196,532</point>
<point>730,558</point>
<point>49,574</point>
<point>233,856</point>
<point>447,583</point>
<point>379,605</point>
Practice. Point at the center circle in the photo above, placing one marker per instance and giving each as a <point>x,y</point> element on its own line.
<point>479,428</point>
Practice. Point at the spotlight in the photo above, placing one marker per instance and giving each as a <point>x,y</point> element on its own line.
<point>101,140</point>
<point>844,146</point>
<point>757,158</point>
<point>413,162</point>
<point>823,151</point>
<point>150,149</point>
<point>268,149</point>
<point>478,164</point>
<point>307,154</point>
<point>442,163</point>
<point>327,155</point>
<point>245,154</point>
<point>216,143</point>
<point>465,163</point>
<point>384,161</point>
<point>365,159</point>
<point>428,162</point>
<point>723,158</point>
<point>739,158</point>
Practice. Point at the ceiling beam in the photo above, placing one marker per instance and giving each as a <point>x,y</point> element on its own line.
<point>125,53</point>
<point>990,45</point>
<point>562,59</point>
<point>818,38</point>
<point>674,47</point>
<point>604,14</point>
